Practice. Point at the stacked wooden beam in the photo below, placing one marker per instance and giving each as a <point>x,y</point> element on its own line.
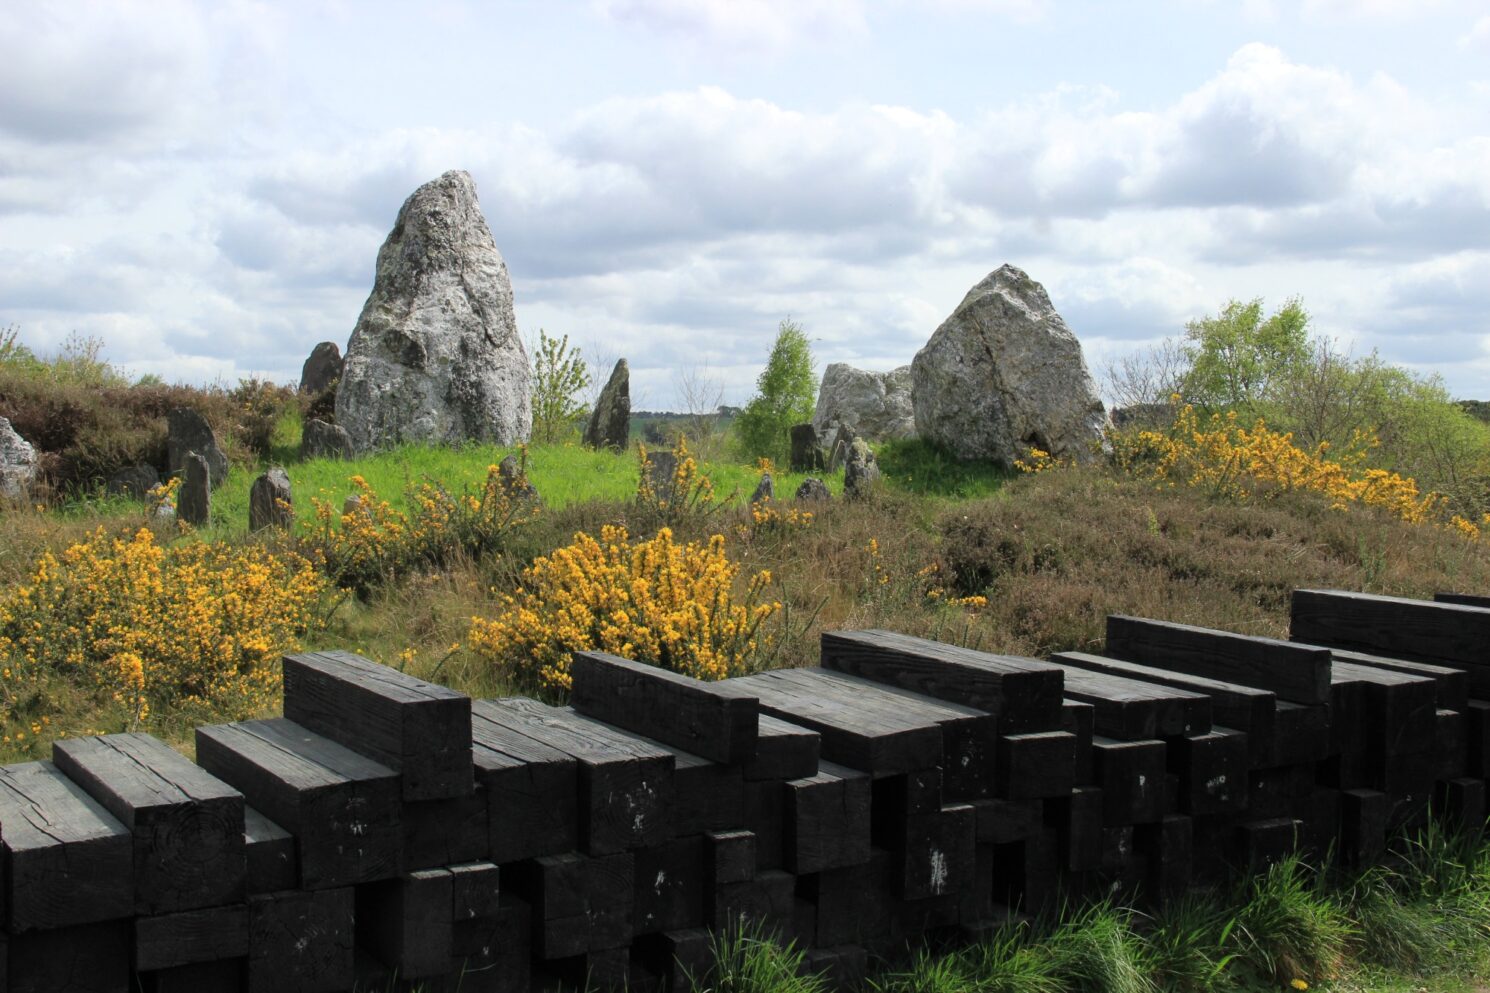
<point>387,832</point>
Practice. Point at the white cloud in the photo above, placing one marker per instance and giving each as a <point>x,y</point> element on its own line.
<point>1478,36</point>
<point>186,222</point>
<point>750,25</point>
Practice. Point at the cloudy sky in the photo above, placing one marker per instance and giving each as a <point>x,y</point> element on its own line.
<point>205,186</point>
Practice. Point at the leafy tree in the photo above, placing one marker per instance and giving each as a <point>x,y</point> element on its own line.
<point>786,393</point>
<point>1236,356</point>
<point>560,378</point>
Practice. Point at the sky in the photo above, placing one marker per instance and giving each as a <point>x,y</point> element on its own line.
<point>204,186</point>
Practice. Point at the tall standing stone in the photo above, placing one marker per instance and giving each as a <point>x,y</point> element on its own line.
<point>270,503</point>
<point>436,356</point>
<point>1004,374</point>
<point>17,463</point>
<point>861,471</point>
<point>872,405</point>
<point>186,432</point>
<point>194,498</point>
<point>806,453</point>
<point>610,421</point>
<point>322,368</point>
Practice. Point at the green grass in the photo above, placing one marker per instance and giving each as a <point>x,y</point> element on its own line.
<point>564,475</point>
<point>915,466</point>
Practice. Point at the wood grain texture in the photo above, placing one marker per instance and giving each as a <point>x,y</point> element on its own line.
<point>165,941</point>
<point>1040,764</point>
<point>1443,634</point>
<point>1131,776</point>
<point>408,922</point>
<point>186,825</point>
<point>269,851</point>
<point>1245,708</point>
<point>419,729</point>
<point>1292,671</point>
<point>827,820</point>
<point>969,735</point>
<point>782,751</point>
<point>1024,693</point>
<point>855,735</point>
<point>625,782</point>
<point>532,789</point>
<point>342,808</point>
<point>69,860</point>
<point>674,709</point>
<point>1134,710</point>
<point>301,941</point>
<point>87,958</point>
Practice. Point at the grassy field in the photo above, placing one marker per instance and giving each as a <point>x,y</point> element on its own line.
<point>1024,564</point>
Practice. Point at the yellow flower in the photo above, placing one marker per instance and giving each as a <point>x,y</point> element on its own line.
<point>1298,984</point>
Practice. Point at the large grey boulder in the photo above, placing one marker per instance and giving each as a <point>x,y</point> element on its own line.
<point>270,503</point>
<point>1003,375</point>
<point>436,356</point>
<point>610,421</point>
<point>17,463</point>
<point>875,406</point>
<point>188,431</point>
<point>319,440</point>
<point>194,498</point>
<point>322,368</point>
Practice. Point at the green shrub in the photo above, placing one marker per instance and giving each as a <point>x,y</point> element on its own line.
<point>785,395</point>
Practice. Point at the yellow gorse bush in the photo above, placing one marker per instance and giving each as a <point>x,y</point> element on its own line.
<point>159,626</point>
<point>687,492</point>
<point>1238,462</point>
<point>370,540</point>
<point>654,601</point>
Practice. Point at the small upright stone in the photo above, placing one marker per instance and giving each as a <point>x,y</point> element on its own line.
<point>269,501</point>
<point>188,431</point>
<point>17,463</point>
<point>136,481</point>
<point>194,499</point>
<point>662,475</point>
<point>319,440</point>
<point>610,421</point>
<point>813,490</point>
<point>514,481</point>
<point>764,490</point>
<point>807,454</point>
<point>860,470</point>
<point>837,440</point>
<point>322,369</point>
